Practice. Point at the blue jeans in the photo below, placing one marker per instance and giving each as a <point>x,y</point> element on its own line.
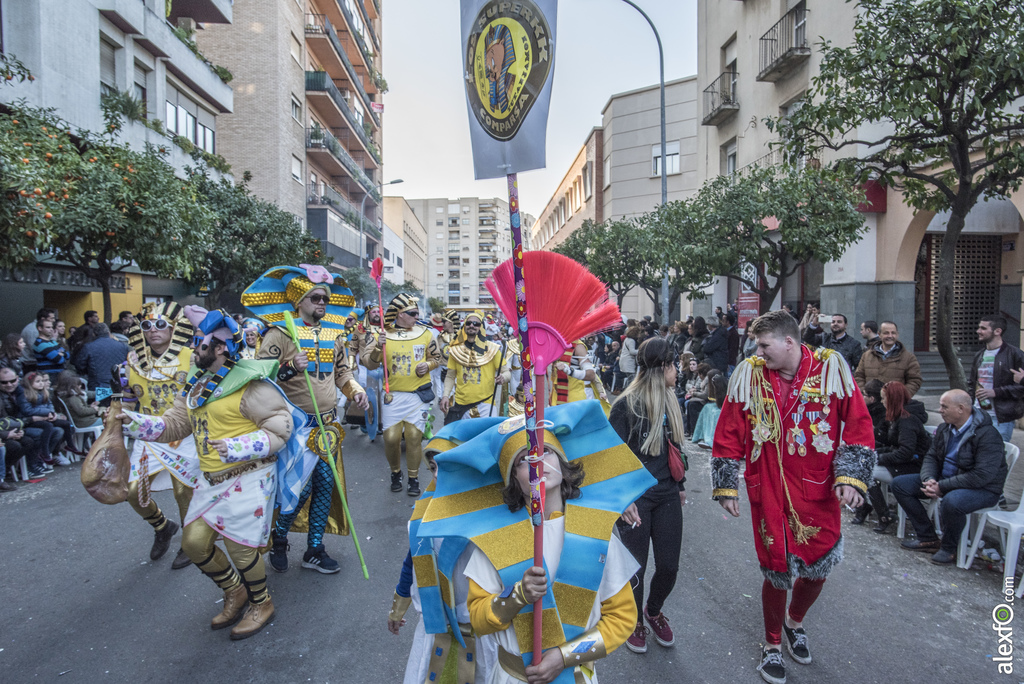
<point>953,509</point>
<point>1005,429</point>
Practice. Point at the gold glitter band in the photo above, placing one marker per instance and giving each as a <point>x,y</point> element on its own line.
<point>728,493</point>
<point>507,546</point>
<point>586,648</point>
<point>574,603</point>
<point>853,482</point>
<point>442,507</point>
<point>423,566</point>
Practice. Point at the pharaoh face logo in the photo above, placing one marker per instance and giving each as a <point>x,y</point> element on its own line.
<point>508,60</point>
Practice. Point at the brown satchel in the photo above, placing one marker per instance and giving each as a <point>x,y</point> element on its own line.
<point>107,467</point>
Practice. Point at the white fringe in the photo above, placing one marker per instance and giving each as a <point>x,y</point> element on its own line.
<point>739,383</point>
<point>835,374</point>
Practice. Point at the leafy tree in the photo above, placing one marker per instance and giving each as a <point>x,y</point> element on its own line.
<point>616,252</point>
<point>248,236</point>
<point>776,218</point>
<point>436,304</point>
<point>925,100</point>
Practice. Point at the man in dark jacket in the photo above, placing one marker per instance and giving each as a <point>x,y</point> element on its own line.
<point>732,336</point>
<point>99,356</point>
<point>991,383</point>
<point>965,467</point>
<point>716,346</point>
<point>850,348</point>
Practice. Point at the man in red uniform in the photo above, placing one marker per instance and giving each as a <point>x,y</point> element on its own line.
<point>784,415</point>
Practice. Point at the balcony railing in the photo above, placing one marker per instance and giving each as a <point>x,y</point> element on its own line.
<point>720,99</point>
<point>318,81</point>
<point>321,139</point>
<point>319,24</point>
<point>367,55</point>
<point>784,46</point>
<point>328,196</point>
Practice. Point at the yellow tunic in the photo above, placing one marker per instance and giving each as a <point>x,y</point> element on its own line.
<point>473,374</point>
<point>157,389</point>
<point>405,350</point>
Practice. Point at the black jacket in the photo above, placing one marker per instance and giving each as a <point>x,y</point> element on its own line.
<point>1009,401</point>
<point>633,431</point>
<point>979,458</point>
<point>732,336</point>
<point>847,346</point>
<point>904,442</point>
<point>716,349</point>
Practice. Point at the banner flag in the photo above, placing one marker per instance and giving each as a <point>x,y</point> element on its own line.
<point>508,60</point>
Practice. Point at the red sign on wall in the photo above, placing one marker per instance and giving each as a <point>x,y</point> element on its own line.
<point>748,304</point>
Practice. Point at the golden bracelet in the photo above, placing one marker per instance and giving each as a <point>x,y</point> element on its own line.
<point>399,607</point>
<point>585,648</point>
<point>507,607</point>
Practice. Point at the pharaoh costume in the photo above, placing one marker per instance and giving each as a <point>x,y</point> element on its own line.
<point>153,384</point>
<point>317,504</point>
<point>473,365</point>
<point>789,435</point>
<point>589,609</point>
<point>568,379</point>
<point>364,340</point>
<point>408,404</point>
<point>444,339</point>
<point>241,406</point>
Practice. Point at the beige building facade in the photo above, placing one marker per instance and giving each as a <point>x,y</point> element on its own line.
<point>400,218</point>
<point>307,81</point>
<point>756,59</point>
<point>466,238</point>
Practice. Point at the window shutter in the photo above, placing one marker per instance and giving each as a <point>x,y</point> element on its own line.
<point>107,72</point>
<point>140,76</point>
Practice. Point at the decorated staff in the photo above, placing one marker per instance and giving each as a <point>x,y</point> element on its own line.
<point>377,272</point>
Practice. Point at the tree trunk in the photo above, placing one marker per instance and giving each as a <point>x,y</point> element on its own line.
<point>944,309</point>
<point>766,297</point>
<point>103,276</point>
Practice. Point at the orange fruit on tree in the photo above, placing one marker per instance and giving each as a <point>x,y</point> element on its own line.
<point>47,215</point>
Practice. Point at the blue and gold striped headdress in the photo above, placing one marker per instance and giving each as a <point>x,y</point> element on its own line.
<point>282,288</point>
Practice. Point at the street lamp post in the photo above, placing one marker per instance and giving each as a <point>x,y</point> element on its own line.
<point>362,217</point>
<point>664,178</point>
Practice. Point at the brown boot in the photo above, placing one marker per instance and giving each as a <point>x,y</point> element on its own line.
<point>234,604</point>
<point>257,616</point>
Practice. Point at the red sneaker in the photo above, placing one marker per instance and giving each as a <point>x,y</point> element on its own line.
<point>659,626</point>
<point>637,641</point>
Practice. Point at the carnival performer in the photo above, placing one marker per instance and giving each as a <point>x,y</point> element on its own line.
<point>252,331</point>
<point>785,411</point>
<point>244,433</point>
<point>410,352</point>
<point>321,302</point>
<point>157,368</point>
<point>362,344</point>
<point>589,598</point>
<point>573,378</point>
<point>449,325</point>
<point>476,367</point>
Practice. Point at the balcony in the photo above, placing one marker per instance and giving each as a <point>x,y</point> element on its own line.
<point>720,99</point>
<point>324,41</point>
<point>201,11</point>
<point>322,144</point>
<point>356,36</point>
<point>321,89</point>
<point>784,47</point>
<point>328,196</point>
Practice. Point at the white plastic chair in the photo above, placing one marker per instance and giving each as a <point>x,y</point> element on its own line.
<point>81,433</point>
<point>22,466</point>
<point>1011,528</point>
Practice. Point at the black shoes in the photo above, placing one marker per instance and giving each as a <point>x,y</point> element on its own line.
<point>181,560</point>
<point>279,553</point>
<point>7,487</point>
<point>162,540</point>
<point>861,514</point>
<point>927,545</point>
<point>396,482</point>
<point>883,525</point>
<point>317,559</point>
<point>943,558</point>
<point>796,644</point>
<point>414,487</point>
<point>772,668</point>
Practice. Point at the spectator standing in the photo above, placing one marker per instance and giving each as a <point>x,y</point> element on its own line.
<point>716,347</point>
<point>732,336</point>
<point>81,337</point>
<point>117,331</point>
<point>30,332</point>
<point>889,360</point>
<point>51,357</point>
<point>11,354</point>
<point>127,319</point>
<point>627,356</point>
<point>749,345</point>
<point>991,382</point>
<point>872,392</point>
<point>91,318</point>
<point>810,317</point>
<point>609,365</point>
<point>869,331</point>
<point>965,467</point>
<point>698,333</point>
<point>648,420</point>
<point>98,357</point>
<point>696,396</point>
<point>836,339</point>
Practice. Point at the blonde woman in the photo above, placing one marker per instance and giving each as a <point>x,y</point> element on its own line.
<point>647,418</point>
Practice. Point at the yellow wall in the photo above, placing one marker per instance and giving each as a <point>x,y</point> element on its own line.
<point>73,305</point>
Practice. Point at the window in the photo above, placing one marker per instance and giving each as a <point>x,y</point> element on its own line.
<point>607,171</point>
<point>186,123</point>
<point>172,117</point>
<point>205,138</point>
<point>108,68</point>
<point>296,109</point>
<point>296,168</point>
<point>729,158</point>
<point>398,260</point>
<point>140,90</point>
<point>296,49</point>
<point>387,254</point>
<point>453,208</point>
<point>439,222</point>
<point>671,153</point>
<point>453,222</point>
<point>466,210</point>
<point>440,236</point>
<point>465,222</point>
<point>588,179</point>
<point>439,210</point>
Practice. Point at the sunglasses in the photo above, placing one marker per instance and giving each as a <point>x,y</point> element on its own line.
<point>9,382</point>
<point>472,323</point>
<point>319,299</point>
<point>158,324</point>
<point>414,314</point>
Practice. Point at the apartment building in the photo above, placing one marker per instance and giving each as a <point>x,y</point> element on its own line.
<point>78,51</point>
<point>617,172</point>
<point>412,258</point>
<point>466,238</point>
<point>306,122</point>
<point>756,59</point>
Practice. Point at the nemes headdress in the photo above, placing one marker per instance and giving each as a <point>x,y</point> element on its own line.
<point>174,314</point>
<point>401,302</point>
<point>282,288</point>
<point>452,315</point>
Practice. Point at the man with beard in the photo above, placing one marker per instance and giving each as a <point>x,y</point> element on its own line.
<point>321,303</point>
<point>244,433</point>
<point>409,352</point>
<point>475,368</point>
<point>843,343</point>
<point>157,369</point>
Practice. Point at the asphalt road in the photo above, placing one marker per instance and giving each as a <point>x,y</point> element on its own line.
<point>81,602</point>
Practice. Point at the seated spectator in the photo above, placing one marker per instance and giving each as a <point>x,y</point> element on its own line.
<point>609,365</point>
<point>889,360</point>
<point>872,393</point>
<point>965,467</point>
<point>11,354</point>
<point>37,405</point>
<point>35,439</point>
<point>695,398</point>
<point>14,445</point>
<point>69,389</point>
<point>686,375</point>
<point>97,358</point>
<point>901,447</point>
<point>51,357</point>
<point>707,421</point>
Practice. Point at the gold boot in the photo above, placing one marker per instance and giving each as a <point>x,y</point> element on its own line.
<point>234,603</point>
<point>256,617</point>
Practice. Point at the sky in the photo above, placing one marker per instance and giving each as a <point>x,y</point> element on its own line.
<point>603,47</point>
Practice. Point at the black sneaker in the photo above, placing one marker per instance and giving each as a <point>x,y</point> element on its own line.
<point>47,468</point>
<point>7,487</point>
<point>162,540</point>
<point>317,559</point>
<point>414,487</point>
<point>772,668</point>
<point>796,644</point>
<point>396,482</point>
<point>279,553</point>
<point>37,473</point>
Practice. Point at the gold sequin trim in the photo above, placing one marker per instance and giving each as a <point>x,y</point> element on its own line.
<point>442,507</point>
<point>551,630</point>
<point>589,522</point>
<point>766,538</point>
<point>609,463</point>
<point>852,481</point>
<point>507,546</point>
<point>423,566</point>
<point>725,492</point>
<point>574,603</point>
